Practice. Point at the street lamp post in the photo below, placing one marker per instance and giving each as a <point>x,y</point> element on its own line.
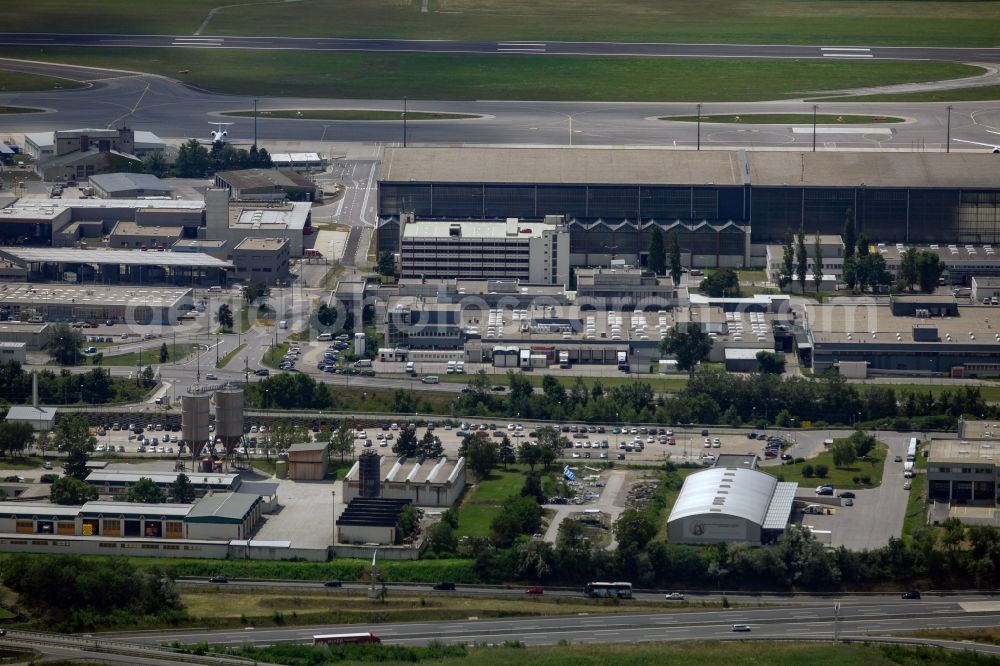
<point>699,128</point>
<point>815,106</point>
<point>947,142</point>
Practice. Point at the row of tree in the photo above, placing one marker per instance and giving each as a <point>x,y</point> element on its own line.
<point>664,258</point>
<point>194,160</point>
<point>94,387</point>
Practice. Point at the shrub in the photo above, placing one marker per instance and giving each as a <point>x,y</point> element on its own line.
<point>807,471</point>
<point>48,478</point>
<point>822,471</point>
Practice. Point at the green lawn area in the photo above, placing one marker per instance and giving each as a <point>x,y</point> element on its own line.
<point>916,503</point>
<point>353,114</point>
<point>977,94</point>
<point>445,77</point>
<point>20,463</point>
<point>21,82</point>
<point>224,361</point>
<point>842,478</point>
<point>272,357</point>
<point>835,22</point>
<point>786,119</point>
<point>482,502</point>
<point>175,352</point>
<point>17,109</point>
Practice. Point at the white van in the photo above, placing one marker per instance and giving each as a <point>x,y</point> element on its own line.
<point>215,290</point>
<point>410,368</point>
<point>431,379</point>
<point>451,367</point>
<point>363,363</point>
<point>283,323</point>
<point>324,336</point>
<point>460,367</point>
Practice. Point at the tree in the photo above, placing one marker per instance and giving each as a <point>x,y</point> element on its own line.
<point>285,433</point>
<point>872,271</point>
<point>255,290</point>
<point>770,363</point>
<point>863,248</point>
<point>801,259</point>
<point>817,264</point>
<point>68,490</point>
<point>907,274</point>
<point>155,163</point>
<point>533,488</point>
<point>225,317</point>
<point>15,437</point>
<point>528,453</point>
<point>862,443</point>
<point>519,515</point>
<point>74,439</point>
<point>407,521</point>
<point>342,440</point>
<point>441,538</point>
<point>181,490</point>
<point>386,264</point>
<point>657,253</point>
<point>850,271</point>
<point>687,343</point>
<point>850,234</point>
<point>929,270</point>
<point>430,446</point>
<point>193,160</point>
<point>674,258</point>
<point>144,491</point>
<point>634,529</point>
<point>482,455</point>
<point>164,353</point>
<point>550,446</point>
<point>406,444</point>
<point>843,453</point>
<point>326,315</point>
<point>722,282</point>
<point>787,260</point>
<point>65,344</point>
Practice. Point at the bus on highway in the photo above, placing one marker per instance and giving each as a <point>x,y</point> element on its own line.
<point>608,590</point>
<point>338,639</point>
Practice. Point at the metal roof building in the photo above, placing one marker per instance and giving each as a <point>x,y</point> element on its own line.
<point>129,186</point>
<point>730,505</point>
<point>614,197</point>
<point>42,419</point>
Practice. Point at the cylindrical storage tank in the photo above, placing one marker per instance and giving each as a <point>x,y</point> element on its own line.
<point>229,417</point>
<point>194,420</point>
<point>359,344</point>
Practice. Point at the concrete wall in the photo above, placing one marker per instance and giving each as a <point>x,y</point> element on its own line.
<point>98,546</point>
<point>253,551</point>
<point>361,534</point>
<point>706,529</point>
<point>404,552</point>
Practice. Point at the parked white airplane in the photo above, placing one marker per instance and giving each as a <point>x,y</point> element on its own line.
<point>995,148</point>
<point>219,135</point>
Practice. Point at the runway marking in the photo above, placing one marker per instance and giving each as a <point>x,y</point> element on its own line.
<point>197,41</point>
<point>979,606</point>
<point>521,47</point>
<point>846,52</point>
<point>842,130</point>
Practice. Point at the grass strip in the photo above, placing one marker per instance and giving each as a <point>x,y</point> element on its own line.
<point>224,361</point>
<point>475,77</point>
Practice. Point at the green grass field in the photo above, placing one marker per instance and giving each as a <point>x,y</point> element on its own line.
<point>224,361</point>
<point>272,357</point>
<point>482,502</point>
<point>842,478</point>
<point>446,77</point>
<point>30,83</point>
<point>916,503</point>
<point>978,94</point>
<point>353,114</point>
<point>840,22</point>
<point>13,110</point>
<point>175,352</point>
<point>786,119</point>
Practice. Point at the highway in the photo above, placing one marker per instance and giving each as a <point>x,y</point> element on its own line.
<point>511,47</point>
<point>858,618</point>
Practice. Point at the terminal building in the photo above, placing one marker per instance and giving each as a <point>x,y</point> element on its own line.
<point>614,197</point>
<point>263,260</point>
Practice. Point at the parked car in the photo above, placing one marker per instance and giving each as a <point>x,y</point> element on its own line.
<point>824,490</point>
<point>211,376</point>
<point>846,494</point>
<point>898,459</point>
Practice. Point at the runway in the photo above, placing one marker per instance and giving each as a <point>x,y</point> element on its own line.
<point>526,47</point>
<point>174,111</point>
